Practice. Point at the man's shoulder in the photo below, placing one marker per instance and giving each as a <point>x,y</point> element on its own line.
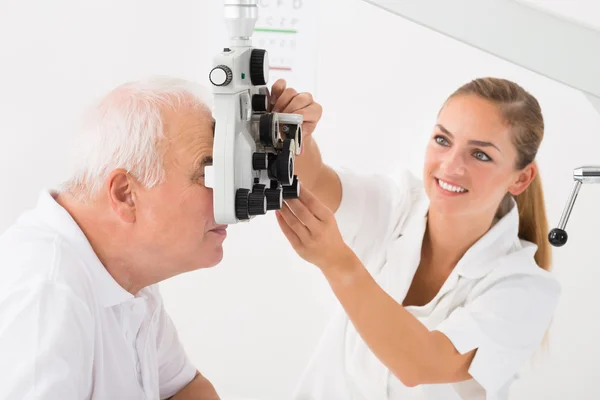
<point>31,254</point>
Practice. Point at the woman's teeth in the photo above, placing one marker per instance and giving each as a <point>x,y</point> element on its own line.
<point>451,188</point>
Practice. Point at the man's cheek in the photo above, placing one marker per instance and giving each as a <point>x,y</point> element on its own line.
<point>207,206</point>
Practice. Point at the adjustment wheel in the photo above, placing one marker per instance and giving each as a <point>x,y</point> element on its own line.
<point>557,237</point>
<point>283,167</point>
<point>241,204</point>
<point>260,103</point>
<point>257,202</point>
<point>260,161</point>
<point>268,129</point>
<point>274,199</point>
<point>292,191</point>
<point>259,67</point>
<point>221,75</point>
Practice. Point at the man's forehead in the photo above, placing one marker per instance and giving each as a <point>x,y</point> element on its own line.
<point>189,124</point>
<point>189,136</point>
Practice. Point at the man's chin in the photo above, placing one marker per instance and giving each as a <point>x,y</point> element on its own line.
<point>214,260</point>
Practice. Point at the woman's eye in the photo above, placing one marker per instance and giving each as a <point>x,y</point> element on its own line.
<point>441,140</point>
<point>480,155</point>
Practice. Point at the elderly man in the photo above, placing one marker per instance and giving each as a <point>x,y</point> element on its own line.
<point>80,312</point>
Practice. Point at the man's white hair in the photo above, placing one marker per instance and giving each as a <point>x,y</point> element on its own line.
<point>125,129</point>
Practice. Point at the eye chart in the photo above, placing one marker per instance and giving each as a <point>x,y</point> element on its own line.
<point>287,29</point>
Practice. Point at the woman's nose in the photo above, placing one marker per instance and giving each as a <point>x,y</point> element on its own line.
<point>453,164</point>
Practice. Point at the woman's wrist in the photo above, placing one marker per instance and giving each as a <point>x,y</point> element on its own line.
<point>343,269</point>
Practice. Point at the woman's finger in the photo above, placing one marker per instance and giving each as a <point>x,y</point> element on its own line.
<point>287,231</point>
<point>314,205</point>
<point>302,100</point>
<point>294,223</point>
<point>277,89</point>
<point>304,215</point>
<point>285,99</point>
<point>311,116</point>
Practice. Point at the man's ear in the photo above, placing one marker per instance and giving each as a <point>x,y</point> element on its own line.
<point>121,194</point>
<point>524,178</point>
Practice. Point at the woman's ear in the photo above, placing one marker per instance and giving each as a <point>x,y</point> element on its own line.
<point>121,194</point>
<point>524,178</point>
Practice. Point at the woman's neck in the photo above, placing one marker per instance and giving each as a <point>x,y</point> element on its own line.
<point>447,238</point>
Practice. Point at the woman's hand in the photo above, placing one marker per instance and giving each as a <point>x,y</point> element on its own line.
<point>289,101</point>
<point>311,229</point>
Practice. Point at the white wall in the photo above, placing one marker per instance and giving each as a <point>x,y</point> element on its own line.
<point>250,323</point>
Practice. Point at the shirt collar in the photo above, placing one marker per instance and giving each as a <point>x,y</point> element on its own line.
<point>59,219</point>
<point>482,257</point>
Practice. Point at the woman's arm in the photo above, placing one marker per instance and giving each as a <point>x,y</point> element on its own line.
<point>413,354</point>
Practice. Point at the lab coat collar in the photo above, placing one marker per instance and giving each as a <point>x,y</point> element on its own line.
<point>59,219</point>
<point>483,256</point>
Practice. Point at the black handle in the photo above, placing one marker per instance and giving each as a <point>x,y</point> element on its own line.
<point>557,237</point>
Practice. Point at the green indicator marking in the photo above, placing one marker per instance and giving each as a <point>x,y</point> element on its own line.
<point>275,30</point>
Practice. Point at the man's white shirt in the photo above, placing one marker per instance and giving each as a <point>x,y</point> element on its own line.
<point>68,330</point>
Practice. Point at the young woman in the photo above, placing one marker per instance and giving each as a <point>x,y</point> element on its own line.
<point>442,282</point>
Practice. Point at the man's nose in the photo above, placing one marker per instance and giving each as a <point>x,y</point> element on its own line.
<point>454,163</point>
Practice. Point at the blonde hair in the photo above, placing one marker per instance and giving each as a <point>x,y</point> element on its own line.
<point>523,114</point>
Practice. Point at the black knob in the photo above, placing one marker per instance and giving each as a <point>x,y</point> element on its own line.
<point>258,67</point>
<point>221,75</point>
<point>260,103</point>
<point>274,199</point>
<point>272,158</point>
<point>257,202</point>
<point>282,168</point>
<point>292,191</point>
<point>557,237</point>
<point>260,161</point>
<point>268,129</point>
<point>241,204</point>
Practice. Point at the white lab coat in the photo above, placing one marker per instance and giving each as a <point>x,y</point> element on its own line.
<point>496,299</point>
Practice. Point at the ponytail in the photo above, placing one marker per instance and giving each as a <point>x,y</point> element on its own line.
<point>533,223</point>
